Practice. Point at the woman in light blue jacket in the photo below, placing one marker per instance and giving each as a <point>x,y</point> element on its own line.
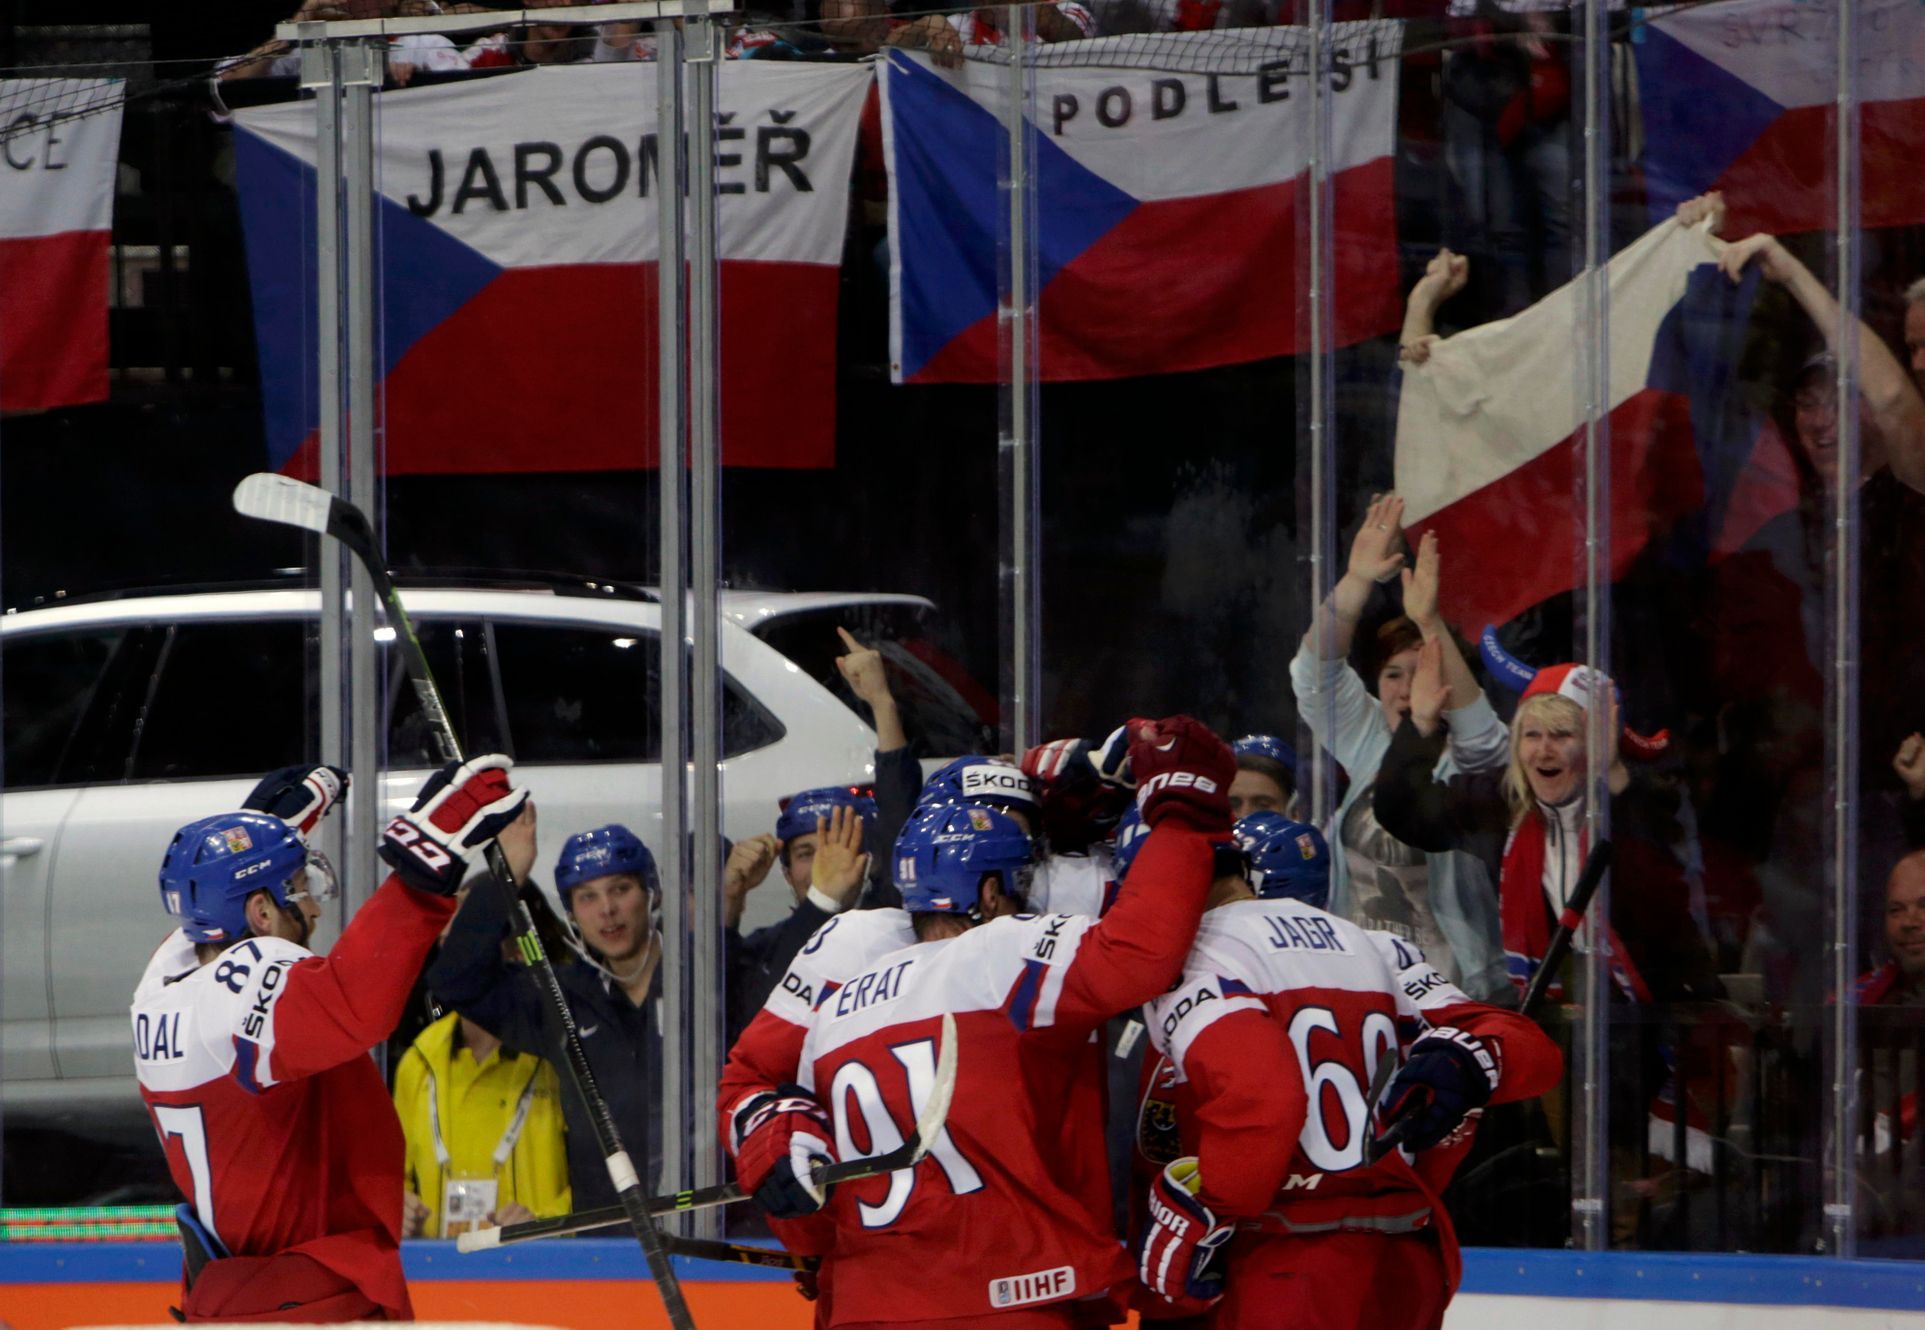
<point>1444,903</point>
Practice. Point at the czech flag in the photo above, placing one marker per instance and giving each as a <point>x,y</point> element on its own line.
<point>1739,96</point>
<point>1490,432</point>
<point>59,148</point>
<point>1168,203</point>
<point>517,242</point>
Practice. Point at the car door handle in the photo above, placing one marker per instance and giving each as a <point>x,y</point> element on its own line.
<point>22,846</point>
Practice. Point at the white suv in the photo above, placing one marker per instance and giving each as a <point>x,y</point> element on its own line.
<point>126,718</point>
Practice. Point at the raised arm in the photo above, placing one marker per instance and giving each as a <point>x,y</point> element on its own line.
<point>1896,408</point>
<point>1444,277</point>
<point>1374,557</point>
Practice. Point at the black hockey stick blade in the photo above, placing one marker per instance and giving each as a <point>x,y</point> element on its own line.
<point>935,1115</point>
<point>1596,865</point>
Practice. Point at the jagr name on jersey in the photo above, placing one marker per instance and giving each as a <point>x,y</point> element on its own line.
<point>1303,934</point>
<point>875,987</point>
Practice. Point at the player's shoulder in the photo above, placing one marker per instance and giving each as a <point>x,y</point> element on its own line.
<point>855,937</point>
<point>1021,938</point>
<point>1288,937</point>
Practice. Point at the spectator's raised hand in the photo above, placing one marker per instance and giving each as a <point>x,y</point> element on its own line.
<point>1420,585</point>
<point>1774,260</point>
<point>1695,210</point>
<point>1375,553</point>
<point>840,864</point>
<point>520,843</point>
<point>749,863</point>
<point>1909,763</point>
<point>863,670</point>
<point>1429,692</point>
<point>1444,276</point>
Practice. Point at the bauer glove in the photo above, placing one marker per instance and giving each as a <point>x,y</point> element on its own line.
<point>1181,1240</point>
<point>1449,1073</point>
<point>1182,771</point>
<point>779,1137</point>
<point>460,809</point>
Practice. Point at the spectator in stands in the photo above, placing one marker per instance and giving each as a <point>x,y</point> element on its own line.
<point>1891,1204</point>
<point>1909,764</point>
<point>946,36</point>
<point>609,891</point>
<point>406,53</point>
<point>820,835</point>
<point>1445,902</point>
<point>484,1133</point>
<point>1266,776</point>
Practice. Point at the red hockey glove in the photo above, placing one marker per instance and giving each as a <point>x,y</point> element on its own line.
<point>1179,1242</point>
<point>1449,1073</point>
<point>1183,771</point>
<point>778,1138</point>
<point>1078,807</point>
<point>299,795</point>
<point>461,808</point>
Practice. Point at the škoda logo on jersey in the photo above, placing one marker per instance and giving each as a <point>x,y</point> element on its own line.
<point>1043,1286</point>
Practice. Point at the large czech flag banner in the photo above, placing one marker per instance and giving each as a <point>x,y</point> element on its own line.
<point>1167,203</point>
<point>59,146</point>
<point>1490,432</point>
<point>517,239</point>
<point>1738,96</point>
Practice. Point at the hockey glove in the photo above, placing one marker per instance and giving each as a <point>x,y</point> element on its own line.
<point>1111,758</point>
<point>1078,806</point>
<point>1180,1241</point>
<point>460,809</point>
<point>779,1137</point>
<point>299,795</point>
<point>1183,771</point>
<point>1449,1073</point>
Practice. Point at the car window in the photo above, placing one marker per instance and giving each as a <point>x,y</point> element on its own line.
<point>943,708</point>
<point>575,694</point>
<point>457,653</point>
<point>229,699</point>
<point>46,683</point>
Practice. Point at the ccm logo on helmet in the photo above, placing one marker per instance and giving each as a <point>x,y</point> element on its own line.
<point>1176,780</point>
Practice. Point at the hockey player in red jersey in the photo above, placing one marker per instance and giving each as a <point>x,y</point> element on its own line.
<point>1275,1034</point>
<point>1006,1222</point>
<point>251,1050</point>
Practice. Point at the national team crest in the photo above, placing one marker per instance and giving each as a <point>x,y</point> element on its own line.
<point>237,839</point>
<point>979,819</point>
<point>1306,846</point>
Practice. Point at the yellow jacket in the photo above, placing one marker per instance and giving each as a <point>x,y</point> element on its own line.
<point>474,1107</point>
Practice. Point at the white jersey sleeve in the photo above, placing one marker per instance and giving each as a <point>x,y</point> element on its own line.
<point>1209,990</point>
<point>1421,987</point>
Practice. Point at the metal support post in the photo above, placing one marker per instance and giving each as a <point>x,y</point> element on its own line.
<point>1317,312</point>
<point>1590,1069</point>
<point>705,579</point>
<point>1018,443</point>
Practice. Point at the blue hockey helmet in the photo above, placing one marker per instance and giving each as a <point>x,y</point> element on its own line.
<point>942,854</point>
<point>797,814</point>
<point>1288,859</point>
<point>213,865</point>
<point>977,779</point>
<point>603,852</point>
<point>1269,748</point>
<point>1131,831</point>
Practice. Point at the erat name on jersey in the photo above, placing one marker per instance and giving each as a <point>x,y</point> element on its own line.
<point>1303,933</point>
<point>1043,1286</point>
<point>871,989</point>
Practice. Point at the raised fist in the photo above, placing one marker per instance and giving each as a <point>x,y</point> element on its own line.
<point>460,809</point>
<point>1078,805</point>
<point>300,795</point>
<point>1182,771</point>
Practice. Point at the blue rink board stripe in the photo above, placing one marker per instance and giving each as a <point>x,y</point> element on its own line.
<point>1671,1277</point>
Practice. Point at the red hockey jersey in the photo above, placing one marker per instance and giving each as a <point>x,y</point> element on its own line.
<point>276,1124</point>
<point>1001,1214</point>
<point>1275,1034</point>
